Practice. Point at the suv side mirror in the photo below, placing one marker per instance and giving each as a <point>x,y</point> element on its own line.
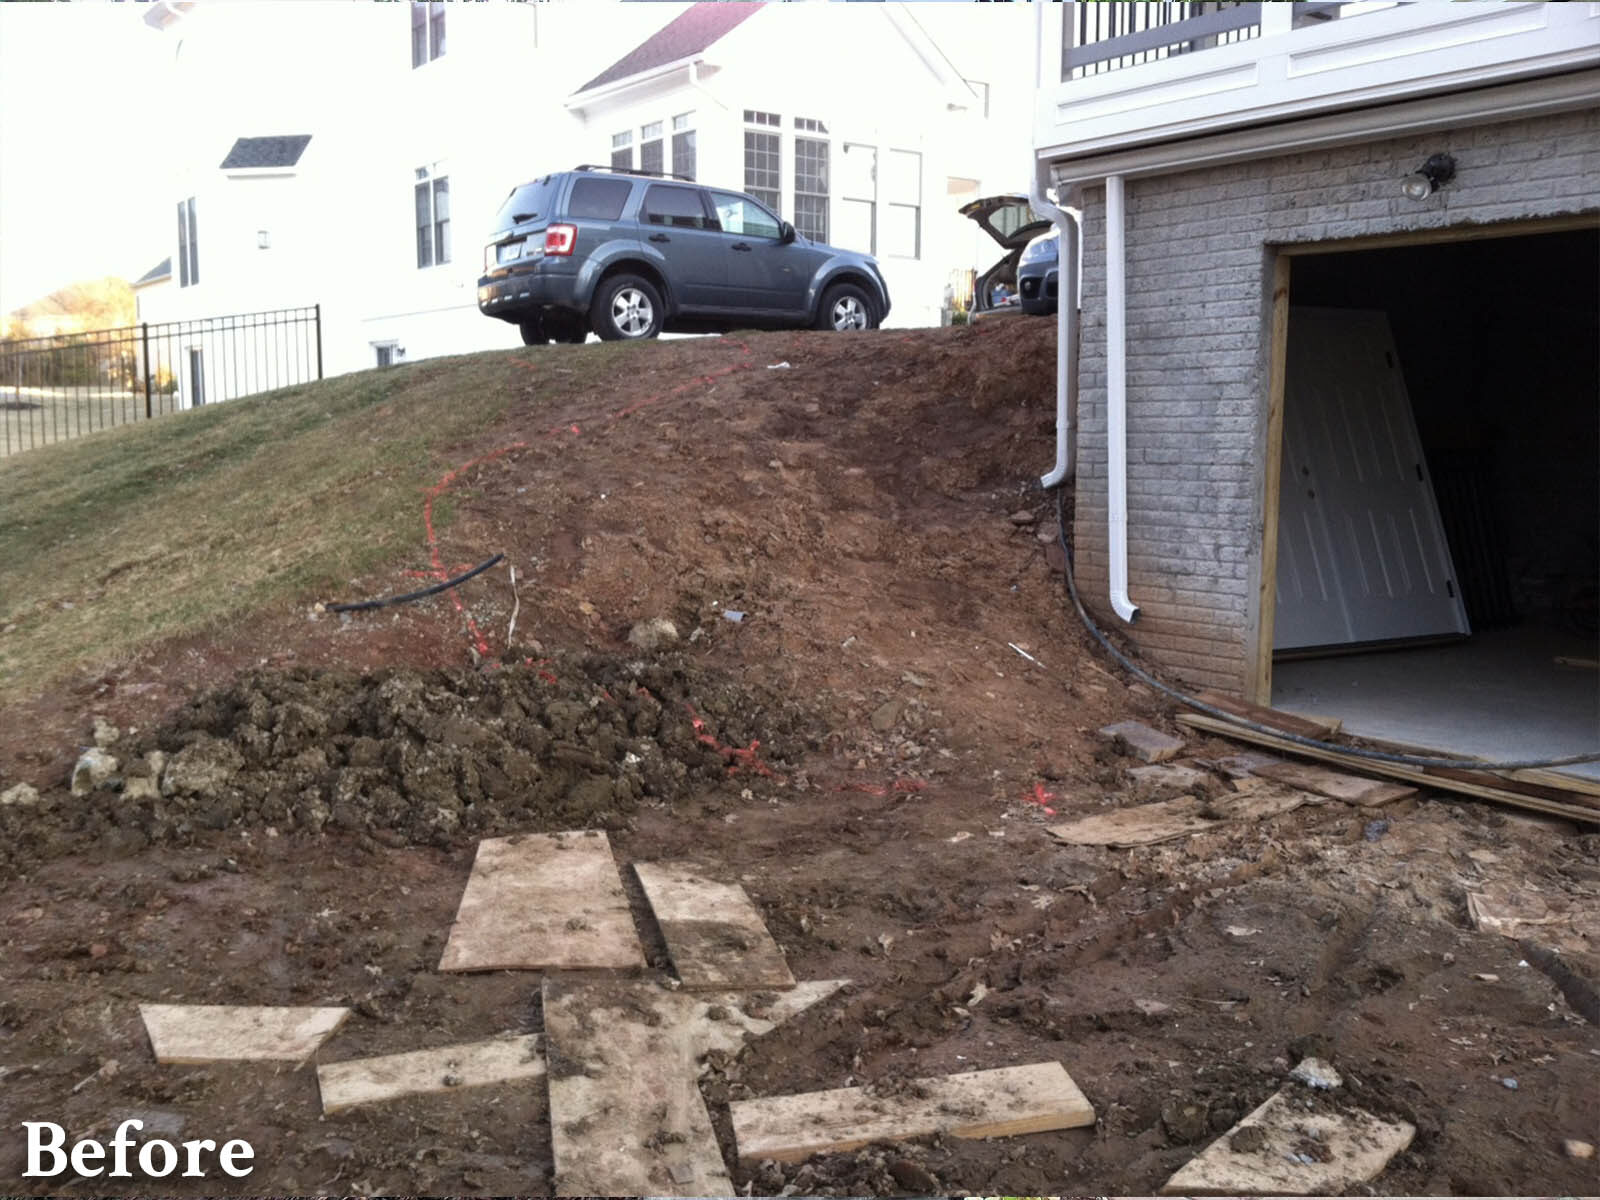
<point>785,233</point>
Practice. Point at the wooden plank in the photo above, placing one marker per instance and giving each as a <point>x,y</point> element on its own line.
<point>1522,787</point>
<point>205,1033</point>
<point>714,934</point>
<point>1389,770</point>
<point>1140,825</point>
<point>543,900</point>
<point>1320,728</point>
<point>1281,1149</point>
<point>978,1104</point>
<point>419,1072</point>
<point>1563,780</point>
<point>626,1114</point>
<point>1258,679</point>
<point>1352,789</point>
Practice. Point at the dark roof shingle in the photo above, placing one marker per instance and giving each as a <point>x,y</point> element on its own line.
<point>266,151</point>
<point>162,270</point>
<point>689,33</point>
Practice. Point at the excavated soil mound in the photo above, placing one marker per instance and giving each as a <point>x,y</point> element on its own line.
<point>424,757</point>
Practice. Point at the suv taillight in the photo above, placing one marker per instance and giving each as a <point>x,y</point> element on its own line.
<point>559,240</point>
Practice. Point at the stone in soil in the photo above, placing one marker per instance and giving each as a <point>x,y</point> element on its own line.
<point>1149,745</point>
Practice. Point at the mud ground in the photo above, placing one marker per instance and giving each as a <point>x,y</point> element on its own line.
<point>869,511</point>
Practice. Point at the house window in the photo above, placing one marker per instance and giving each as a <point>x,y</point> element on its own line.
<point>683,162</point>
<point>901,234</point>
<point>807,125</point>
<point>622,150</point>
<point>388,353</point>
<point>188,244</point>
<point>811,187</point>
<point>432,196</point>
<point>763,170</point>
<point>858,202</point>
<point>652,149</point>
<point>427,31</point>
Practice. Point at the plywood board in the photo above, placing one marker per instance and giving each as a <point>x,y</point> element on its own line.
<point>1352,789</point>
<point>1282,1149</point>
<point>998,1103</point>
<point>1260,804</point>
<point>543,900</point>
<point>1140,825</point>
<point>1576,812</point>
<point>626,1115</point>
<point>204,1033</point>
<point>714,934</point>
<point>418,1072</point>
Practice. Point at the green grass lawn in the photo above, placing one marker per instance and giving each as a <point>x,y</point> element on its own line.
<point>184,524</point>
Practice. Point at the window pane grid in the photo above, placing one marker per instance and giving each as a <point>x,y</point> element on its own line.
<point>683,154</point>
<point>763,176</point>
<point>652,156</point>
<point>811,188</point>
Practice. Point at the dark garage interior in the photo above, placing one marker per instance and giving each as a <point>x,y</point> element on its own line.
<point>1498,339</point>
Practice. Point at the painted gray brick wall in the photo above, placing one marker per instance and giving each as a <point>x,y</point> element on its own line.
<point>1199,263</point>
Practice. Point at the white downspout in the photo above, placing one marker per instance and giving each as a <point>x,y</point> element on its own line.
<point>1117,400</point>
<point>1066,293</point>
<point>1066,336</point>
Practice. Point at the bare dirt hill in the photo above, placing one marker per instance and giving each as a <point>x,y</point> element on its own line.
<point>845,534</point>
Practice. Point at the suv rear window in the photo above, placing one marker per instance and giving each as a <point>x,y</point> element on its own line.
<point>679,207</point>
<point>526,203</point>
<point>601,199</point>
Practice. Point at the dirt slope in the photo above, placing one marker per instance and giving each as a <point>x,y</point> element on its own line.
<point>830,750</point>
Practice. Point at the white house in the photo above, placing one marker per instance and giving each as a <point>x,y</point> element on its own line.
<point>380,219</point>
<point>1338,422</point>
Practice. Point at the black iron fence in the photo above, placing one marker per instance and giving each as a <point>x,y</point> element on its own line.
<point>61,387</point>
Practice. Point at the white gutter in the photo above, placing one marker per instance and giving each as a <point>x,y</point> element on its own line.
<point>1117,400</point>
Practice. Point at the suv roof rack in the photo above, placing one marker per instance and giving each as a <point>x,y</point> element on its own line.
<point>632,171</point>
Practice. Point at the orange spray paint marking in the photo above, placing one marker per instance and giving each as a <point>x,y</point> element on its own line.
<point>740,756</point>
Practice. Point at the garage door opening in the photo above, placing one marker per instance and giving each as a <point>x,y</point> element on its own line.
<point>1438,532</point>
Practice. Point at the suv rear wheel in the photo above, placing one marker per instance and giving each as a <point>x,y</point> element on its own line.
<point>845,308</point>
<point>533,331</point>
<point>567,328</point>
<point>626,308</point>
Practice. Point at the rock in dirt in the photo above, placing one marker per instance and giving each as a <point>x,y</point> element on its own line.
<point>1577,1149</point>
<point>105,733</point>
<point>885,716</point>
<point>201,769</point>
<point>1313,1072</point>
<point>92,768</point>
<point>1185,1121</point>
<point>653,634</point>
<point>1023,516</point>
<point>1149,745</point>
<point>23,794</point>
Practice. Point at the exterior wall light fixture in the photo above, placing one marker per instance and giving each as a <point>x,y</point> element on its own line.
<point>1439,170</point>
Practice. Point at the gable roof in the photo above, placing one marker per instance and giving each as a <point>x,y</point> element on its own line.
<point>688,34</point>
<point>162,270</point>
<point>255,152</point>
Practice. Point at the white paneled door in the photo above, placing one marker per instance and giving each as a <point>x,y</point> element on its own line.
<point>1362,555</point>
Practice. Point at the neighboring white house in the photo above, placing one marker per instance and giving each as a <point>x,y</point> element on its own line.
<point>381,218</point>
<point>1340,385</point>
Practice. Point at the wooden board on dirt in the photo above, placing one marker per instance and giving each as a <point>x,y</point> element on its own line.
<point>1140,825</point>
<point>419,1072</point>
<point>714,934</point>
<point>1274,718</point>
<point>543,900</point>
<point>206,1033</point>
<point>998,1103</point>
<point>1352,789</point>
<point>1411,774</point>
<point>626,1115</point>
<point>1563,781</point>
<point>1259,803</point>
<point>1281,1149</point>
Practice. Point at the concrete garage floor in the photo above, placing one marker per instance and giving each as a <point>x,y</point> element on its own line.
<point>1498,695</point>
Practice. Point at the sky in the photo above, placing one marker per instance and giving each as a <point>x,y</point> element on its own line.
<point>86,129</point>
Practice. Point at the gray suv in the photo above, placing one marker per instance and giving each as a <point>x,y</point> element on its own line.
<point>629,255</point>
